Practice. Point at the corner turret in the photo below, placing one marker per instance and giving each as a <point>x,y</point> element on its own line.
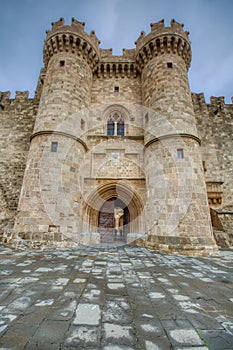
<point>64,90</point>
<point>177,184</point>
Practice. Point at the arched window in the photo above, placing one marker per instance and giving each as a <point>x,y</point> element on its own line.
<point>120,128</point>
<point>110,128</point>
<point>115,125</point>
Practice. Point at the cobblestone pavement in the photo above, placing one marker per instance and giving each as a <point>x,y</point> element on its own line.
<point>110,298</point>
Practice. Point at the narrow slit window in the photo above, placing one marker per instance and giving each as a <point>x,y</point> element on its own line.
<point>180,153</point>
<point>204,166</point>
<point>169,64</point>
<point>54,146</point>
<point>82,124</point>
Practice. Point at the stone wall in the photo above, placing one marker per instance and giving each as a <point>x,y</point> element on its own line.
<point>17,118</point>
<point>103,90</point>
<point>215,129</point>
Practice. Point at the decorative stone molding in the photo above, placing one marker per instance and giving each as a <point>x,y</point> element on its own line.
<point>51,132</point>
<point>116,70</point>
<point>171,136</point>
<point>214,191</point>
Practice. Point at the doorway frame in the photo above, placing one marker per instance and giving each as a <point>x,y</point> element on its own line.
<point>119,189</point>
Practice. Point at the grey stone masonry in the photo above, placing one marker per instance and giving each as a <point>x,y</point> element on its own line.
<point>114,298</point>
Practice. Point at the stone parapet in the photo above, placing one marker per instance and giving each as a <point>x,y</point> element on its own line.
<point>162,40</point>
<point>64,38</point>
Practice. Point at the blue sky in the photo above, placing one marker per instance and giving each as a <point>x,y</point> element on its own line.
<point>117,24</point>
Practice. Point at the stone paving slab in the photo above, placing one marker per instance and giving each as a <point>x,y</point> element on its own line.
<point>115,298</point>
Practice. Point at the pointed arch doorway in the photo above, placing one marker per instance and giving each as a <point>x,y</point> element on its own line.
<point>113,221</point>
<point>107,200</point>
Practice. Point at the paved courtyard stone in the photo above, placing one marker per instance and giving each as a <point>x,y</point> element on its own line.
<point>115,298</point>
<point>88,314</point>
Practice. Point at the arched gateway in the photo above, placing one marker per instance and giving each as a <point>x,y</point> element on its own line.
<point>114,210</point>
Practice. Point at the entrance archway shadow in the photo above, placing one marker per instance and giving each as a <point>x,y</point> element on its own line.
<point>113,221</point>
<point>104,200</point>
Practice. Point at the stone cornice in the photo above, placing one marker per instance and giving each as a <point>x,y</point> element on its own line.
<point>116,137</point>
<point>60,133</point>
<point>171,136</point>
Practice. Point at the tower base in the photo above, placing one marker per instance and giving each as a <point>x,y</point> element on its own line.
<point>191,246</point>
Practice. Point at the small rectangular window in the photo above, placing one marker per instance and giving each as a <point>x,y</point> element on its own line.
<point>180,153</point>
<point>169,64</point>
<point>116,89</point>
<point>62,63</point>
<point>54,146</point>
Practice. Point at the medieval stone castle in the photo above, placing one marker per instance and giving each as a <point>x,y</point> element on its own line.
<point>116,149</point>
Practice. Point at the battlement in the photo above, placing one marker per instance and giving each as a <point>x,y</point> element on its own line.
<point>21,98</point>
<point>199,102</point>
<point>175,26</point>
<point>76,26</point>
<point>19,95</point>
<point>71,38</point>
<point>217,101</point>
<point>216,105</point>
<point>214,100</point>
<point>159,28</point>
<point>127,54</point>
<point>163,40</point>
<point>5,95</point>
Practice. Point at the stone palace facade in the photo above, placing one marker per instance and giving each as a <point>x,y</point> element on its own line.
<point>116,149</point>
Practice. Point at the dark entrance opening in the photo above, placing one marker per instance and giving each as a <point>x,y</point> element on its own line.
<point>114,221</point>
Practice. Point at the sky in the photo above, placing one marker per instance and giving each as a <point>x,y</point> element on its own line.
<point>118,23</point>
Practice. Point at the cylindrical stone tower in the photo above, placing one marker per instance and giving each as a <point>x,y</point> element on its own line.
<point>49,205</point>
<point>177,210</point>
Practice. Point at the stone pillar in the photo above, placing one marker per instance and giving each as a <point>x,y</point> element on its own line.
<point>49,206</point>
<point>178,218</point>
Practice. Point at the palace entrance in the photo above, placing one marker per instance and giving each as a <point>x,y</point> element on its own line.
<point>113,221</point>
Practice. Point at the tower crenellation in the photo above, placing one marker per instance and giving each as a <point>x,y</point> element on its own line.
<point>71,38</point>
<point>162,40</point>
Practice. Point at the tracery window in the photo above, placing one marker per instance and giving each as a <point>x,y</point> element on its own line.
<point>116,125</point>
